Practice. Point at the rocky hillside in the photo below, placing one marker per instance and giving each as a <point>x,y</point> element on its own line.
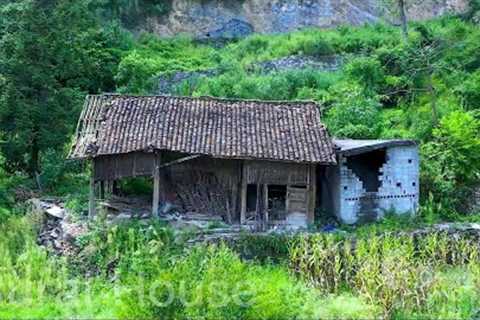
<point>236,18</point>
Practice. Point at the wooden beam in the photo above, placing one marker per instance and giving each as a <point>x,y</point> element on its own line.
<point>312,193</point>
<point>156,185</point>
<point>234,196</point>
<point>174,162</point>
<point>91,196</point>
<point>265,204</point>
<point>243,194</point>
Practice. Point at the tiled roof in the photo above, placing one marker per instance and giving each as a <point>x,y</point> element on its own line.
<point>221,128</point>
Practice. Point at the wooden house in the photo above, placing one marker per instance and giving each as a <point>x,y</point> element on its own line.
<point>250,161</point>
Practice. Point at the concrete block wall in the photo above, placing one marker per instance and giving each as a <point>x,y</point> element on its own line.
<point>399,189</point>
<point>351,188</point>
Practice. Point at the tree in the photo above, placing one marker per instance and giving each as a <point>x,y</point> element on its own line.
<point>50,56</point>
<point>399,10</point>
<point>451,161</point>
<point>352,114</point>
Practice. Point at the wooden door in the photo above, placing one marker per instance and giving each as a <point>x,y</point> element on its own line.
<point>297,199</point>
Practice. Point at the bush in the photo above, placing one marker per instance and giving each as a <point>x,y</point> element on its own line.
<point>213,283</point>
<point>451,161</point>
<point>316,46</point>
<point>367,72</point>
<point>470,91</point>
<point>351,114</point>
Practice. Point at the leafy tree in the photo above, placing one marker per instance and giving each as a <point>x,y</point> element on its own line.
<point>367,71</point>
<point>451,161</point>
<point>352,114</point>
<point>130,12</point>
<point>398,9</point>
<point>469,91</point>
<point>51,54</point>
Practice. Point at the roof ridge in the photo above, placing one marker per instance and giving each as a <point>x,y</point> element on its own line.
<point>207,97</point>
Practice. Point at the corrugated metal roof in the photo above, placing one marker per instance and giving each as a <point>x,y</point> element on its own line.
<point>223,128</point>
<point>349,146</point>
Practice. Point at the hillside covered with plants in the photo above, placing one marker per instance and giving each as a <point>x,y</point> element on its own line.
<point>423,86</point>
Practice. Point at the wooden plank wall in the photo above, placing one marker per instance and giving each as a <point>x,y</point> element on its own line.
<point>136,164</point>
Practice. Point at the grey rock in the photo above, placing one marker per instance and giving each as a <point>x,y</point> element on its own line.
<point>299,62</point>
<point>234,18</point>
<point>167,83</point>
<point>56,211</point>
<point>233,29</point>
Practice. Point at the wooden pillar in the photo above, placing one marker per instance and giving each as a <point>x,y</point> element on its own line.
<point>91,196</point>
<point>312,193</point>
<point>156,185</point>
<point>234,198</point>
<point>265,203</point>
<point>243,194</point>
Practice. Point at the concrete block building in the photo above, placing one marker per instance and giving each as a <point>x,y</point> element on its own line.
<point>371,178</point>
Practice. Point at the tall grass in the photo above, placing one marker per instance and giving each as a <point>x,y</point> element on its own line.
<point>142,271</point>
<point>395,272</point>
<point>131,270</point>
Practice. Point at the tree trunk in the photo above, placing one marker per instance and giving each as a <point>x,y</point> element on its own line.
<point>403,18</point>
<point>433,102</point>
<point>34,162</point>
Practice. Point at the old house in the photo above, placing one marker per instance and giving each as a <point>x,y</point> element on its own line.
<point>254,162</point>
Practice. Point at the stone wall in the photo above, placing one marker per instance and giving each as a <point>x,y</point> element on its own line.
<point>398,192</point>
<point>238,18</point>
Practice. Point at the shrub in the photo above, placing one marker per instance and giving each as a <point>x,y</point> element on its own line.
<point>451,161</point>
<point>315,46</point>
<point>351,114</point>
<point>366,71</point>
<point>470,91</point>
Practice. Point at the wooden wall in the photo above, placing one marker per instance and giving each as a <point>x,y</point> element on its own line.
<point>136,164</point>
<point>216,186</point>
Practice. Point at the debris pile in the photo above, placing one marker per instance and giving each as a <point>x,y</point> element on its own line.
<point>57,233</point>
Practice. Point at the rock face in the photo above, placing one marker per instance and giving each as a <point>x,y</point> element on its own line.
<point>238,18</point>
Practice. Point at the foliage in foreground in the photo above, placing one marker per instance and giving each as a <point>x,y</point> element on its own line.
<point>402,274</point>
<point>132,270</point>
<point>206,282</point>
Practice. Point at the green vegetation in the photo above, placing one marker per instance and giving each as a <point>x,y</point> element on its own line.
<point>135,270</point>
<point>406,276</point>
<point>425,86</point>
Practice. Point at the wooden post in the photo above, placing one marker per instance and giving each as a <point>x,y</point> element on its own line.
<point>156,185</point>
<point>243,194</point>
<point>312,193</point>
<point>234,198</point>
<point>91,196</point>
<point>265,204</point>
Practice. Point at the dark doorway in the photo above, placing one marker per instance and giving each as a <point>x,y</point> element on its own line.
<point>251,197</point>
<point>277,201</point>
